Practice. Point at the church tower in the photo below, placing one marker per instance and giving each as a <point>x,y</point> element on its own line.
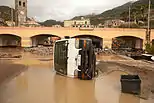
<point>21,11</point>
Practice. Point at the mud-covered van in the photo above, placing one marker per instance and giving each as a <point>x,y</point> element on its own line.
<point>75,57</point>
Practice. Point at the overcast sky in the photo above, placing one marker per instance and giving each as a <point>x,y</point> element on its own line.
<point>65,9</point>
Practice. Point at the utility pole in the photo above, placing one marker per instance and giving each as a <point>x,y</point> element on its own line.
<point>129,16</point>
<point>130,11</point>
<point>12,16</point>
<point>148,29</point>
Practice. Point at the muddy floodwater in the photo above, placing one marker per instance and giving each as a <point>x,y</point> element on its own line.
<point>33,80</point>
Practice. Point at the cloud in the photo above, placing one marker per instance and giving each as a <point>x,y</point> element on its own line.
<point>65,9</point>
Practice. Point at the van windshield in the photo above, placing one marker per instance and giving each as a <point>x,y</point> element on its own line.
<point>60,56</point>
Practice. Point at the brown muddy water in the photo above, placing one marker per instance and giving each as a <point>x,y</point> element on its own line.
<point>36,82</point>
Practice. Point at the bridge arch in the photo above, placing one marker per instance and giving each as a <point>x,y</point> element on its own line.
<point>127,42</point>
<point>10,40</point>
<point>96,40</point>
<point>44,39</point>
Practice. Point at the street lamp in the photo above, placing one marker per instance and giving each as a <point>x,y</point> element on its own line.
<point>129,15</point>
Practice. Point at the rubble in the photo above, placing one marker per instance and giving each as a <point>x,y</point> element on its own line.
<point>105,51</point>
<point>129,52</point>
<point>9,55</point>
<point>42,51</point>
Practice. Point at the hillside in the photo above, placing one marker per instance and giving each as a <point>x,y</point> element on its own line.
<point>50,23</point>
<point>138,12</point>
<point>115,13</point>
<point>5,13</point>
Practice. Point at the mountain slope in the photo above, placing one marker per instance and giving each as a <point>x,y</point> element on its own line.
<point>113,13</point>
<point>5,13</point>
<point>50,23</point>
<point>138,12</point>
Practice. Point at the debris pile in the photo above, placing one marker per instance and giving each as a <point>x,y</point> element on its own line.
<point>8,55</point>
<point>129,52</point>
<point>109,51</point>
<point>42,51</point>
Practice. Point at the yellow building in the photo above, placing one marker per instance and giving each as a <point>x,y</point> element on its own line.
<point>77,23</point>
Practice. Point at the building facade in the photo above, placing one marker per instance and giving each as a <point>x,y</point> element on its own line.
<point>57,26</point>
<point>21,11</point>
<point>31,23</point>
<point>77,23</point>
<point>113,23</point>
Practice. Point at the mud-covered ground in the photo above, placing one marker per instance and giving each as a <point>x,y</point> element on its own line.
<point>9,70</point>
<point>45,86</point>
<point>146,76</point>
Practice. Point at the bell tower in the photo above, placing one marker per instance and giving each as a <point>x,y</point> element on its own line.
<point>21,11</point>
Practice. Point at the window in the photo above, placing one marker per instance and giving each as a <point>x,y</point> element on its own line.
<point>75,23</point>
<point>85,22</point>
<point>19,3</point>
<point>24,4</point>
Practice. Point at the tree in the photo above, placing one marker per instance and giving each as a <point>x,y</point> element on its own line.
<point>149,48</point>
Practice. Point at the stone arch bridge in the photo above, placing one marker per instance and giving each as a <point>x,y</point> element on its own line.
<point>25,34</point>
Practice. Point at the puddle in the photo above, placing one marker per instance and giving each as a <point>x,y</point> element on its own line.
<point>109,57</point>
<point>128,98</point>
<point>44,86</point>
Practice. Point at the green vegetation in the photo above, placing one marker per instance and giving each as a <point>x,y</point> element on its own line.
<point>50,23</point>
<point>5,13</point>
<point>149,48</point>
<point>133,25</point>
<point>138,13</point>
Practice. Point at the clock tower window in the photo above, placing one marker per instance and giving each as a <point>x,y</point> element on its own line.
<point>24,4</point>
<point>19,3</point>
